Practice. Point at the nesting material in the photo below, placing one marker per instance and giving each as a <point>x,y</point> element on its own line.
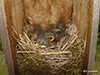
<point>66,56</point>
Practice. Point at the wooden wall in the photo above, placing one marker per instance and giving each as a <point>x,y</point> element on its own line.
<point>94,31</point>
<point>80,15</point>
<point>88,36</point>
<point>86,17</point>
<point>12,15</point>
<point>83,10</point>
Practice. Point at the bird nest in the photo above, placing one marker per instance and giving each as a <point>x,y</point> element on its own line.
<point>66,57</point>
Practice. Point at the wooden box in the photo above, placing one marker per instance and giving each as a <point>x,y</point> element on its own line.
<point>11,14</point>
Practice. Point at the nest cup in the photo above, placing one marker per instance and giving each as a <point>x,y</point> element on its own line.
<point>70,48</point>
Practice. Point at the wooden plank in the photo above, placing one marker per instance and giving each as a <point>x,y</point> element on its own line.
<point>5,40</point>
<point>88,39</point>
<point>93,36</point>
<point>14,17</point>
<point>14,14</point>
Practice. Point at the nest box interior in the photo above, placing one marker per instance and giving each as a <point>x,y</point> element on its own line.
<point>19,12</point>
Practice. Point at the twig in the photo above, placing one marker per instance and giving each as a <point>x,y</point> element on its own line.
<point>71,43</point>
<point>49,53</point>
<point>61,42</point>
<point>52,53</point>
<point>39,53</point>
<point>14,30</point>
<point>30,41</point>
<point>62,63</point>
<point>14,36</point>
<point>27,38</point>
<point>21,45</point>
<point>23,52</point>
<point>64,47</point>
<point>52,47</point>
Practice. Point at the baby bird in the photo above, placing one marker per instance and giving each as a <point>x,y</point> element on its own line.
<point>37,31</point>
<point>45,38</point>
<point>52,35</point>
<point>61,26</point>
<point>43,41</point>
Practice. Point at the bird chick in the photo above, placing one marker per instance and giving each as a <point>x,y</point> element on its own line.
<point>52,26</point>
<point>43,41</point>
<point>50,36</point>
<point>37,31</point>
<point>60,36</point>
<point>61,26</point>
<point>45,38</point>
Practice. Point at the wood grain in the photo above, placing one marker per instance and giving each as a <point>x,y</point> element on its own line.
<point>93,39</point>
<point>5,40</point>
<point>88,38</point>
<point>80,16</point>
<point>14,17</point>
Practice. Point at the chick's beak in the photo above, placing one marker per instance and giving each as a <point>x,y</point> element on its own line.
<point>50,38</point>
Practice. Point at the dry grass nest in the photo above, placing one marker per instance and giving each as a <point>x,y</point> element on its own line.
<point>63,59</point>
